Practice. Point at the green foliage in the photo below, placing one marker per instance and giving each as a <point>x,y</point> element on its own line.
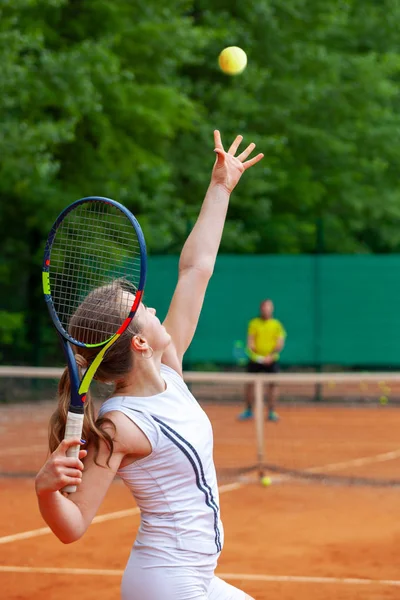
<point>120,97</point>
<point>10,327</point>
<point>91,103</point>
<point>320,96</point>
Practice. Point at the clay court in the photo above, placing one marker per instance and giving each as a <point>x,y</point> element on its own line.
<point>298,538</point>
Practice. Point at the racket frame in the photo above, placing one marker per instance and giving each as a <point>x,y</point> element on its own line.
<point>80,387</point>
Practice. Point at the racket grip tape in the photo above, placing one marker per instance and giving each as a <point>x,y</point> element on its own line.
<point>73,429</point>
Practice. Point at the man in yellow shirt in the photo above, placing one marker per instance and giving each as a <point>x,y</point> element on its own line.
<point>265,340</point>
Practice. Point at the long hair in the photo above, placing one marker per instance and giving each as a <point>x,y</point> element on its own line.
<point>117,362</point>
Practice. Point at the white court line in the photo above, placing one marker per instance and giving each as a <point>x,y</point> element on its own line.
<point>228,576</point>
<point>225,488</point>
<point>24,535</point>
<point>365,460</point>
<point>229,487</point>
<point>300,579</point>
<point>357,462</point>
<point>120,514</point>
<point>61,571</point>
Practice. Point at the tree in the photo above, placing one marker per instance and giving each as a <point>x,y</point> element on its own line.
<point>320,96</point>
<point>120,97</point>
<point>89,106</point>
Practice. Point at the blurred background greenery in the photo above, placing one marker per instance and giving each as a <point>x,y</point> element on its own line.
<point>119,98</point>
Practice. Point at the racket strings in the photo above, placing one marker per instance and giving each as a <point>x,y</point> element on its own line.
<point>95,246</point>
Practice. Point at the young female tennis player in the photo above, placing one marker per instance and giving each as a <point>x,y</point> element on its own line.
<point>152,432</point>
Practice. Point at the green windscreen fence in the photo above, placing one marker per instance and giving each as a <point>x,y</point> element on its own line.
<point>336,309</point>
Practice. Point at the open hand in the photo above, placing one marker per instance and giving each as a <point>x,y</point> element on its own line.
<point>229,168</point>
<point>60,470</point>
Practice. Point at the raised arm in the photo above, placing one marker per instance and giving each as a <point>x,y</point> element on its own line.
<point>199,253</point>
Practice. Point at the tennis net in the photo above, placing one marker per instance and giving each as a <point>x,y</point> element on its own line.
<point>346,433</point>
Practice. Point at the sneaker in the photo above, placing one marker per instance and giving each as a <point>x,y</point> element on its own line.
<point>273,416</point>
<point>246,415</point>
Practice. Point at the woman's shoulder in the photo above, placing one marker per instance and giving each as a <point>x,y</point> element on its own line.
<point>110,405</point>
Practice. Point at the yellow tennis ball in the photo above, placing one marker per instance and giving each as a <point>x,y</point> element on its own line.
<point>383,400</point>
<point>266,481</point>
<point>232,60</point>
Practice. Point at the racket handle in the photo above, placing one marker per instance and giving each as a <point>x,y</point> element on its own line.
<point>73,429</point>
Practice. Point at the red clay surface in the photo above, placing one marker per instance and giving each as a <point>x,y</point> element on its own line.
<point>284,530</point>
<point>291,529</point>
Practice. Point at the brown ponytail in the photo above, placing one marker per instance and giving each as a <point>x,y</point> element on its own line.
<point>117,362</point>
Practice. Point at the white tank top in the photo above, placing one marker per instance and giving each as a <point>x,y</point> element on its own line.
<point>175,486</point>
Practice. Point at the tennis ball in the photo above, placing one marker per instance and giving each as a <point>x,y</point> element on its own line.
<point>383,400</point>
<point>232,60</point>
<point>266,481</point>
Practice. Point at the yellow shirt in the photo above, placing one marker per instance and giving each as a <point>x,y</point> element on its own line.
<point>266,333</point>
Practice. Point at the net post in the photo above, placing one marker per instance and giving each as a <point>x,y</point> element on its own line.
<point>318,395</point>
<point>259,422</point>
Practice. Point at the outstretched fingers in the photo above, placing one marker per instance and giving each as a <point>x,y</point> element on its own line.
<point>235,145</point>
<point>217,140</point>
<point>246,152</point>
<point>233,149</point>
<point>253,161</point>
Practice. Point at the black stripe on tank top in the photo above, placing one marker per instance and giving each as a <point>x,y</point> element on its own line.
<point>201,482</point>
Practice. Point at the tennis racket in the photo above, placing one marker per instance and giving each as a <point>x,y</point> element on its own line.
<point>94,242</point>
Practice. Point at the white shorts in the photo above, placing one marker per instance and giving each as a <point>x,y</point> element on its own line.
<point>153,574</point>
